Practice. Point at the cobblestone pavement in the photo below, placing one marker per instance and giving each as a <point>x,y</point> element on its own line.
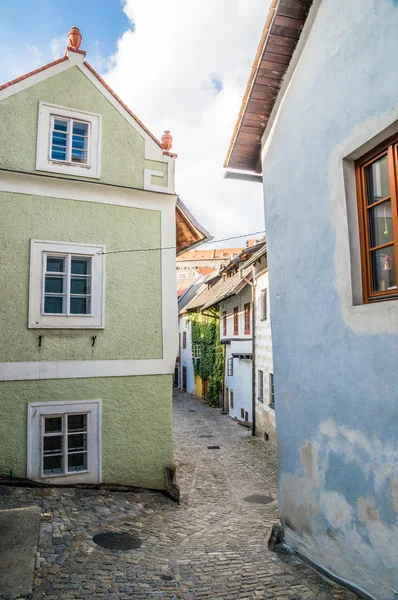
<point>213,546</point>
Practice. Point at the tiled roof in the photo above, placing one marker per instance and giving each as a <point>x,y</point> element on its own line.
<point>94,72</point>
<point>39,70</point>
<point>216,253</point>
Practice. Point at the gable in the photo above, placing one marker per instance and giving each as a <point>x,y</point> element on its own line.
<point>124,147</point>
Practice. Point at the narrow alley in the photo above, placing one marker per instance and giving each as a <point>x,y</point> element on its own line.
<point>214,545</point>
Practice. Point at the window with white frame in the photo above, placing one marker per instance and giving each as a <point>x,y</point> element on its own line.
<point>196,351</point>
<point>230,366</point>
<point>64,441</point>
<point>69,141</point>
<point>66,285</point>
<point>64,444</point>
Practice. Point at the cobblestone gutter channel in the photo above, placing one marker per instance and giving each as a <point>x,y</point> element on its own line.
<point>211,546</point>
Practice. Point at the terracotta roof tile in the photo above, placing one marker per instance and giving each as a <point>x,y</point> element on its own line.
<point>43,68</point>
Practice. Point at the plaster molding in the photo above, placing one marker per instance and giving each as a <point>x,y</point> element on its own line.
<point>85,369</point>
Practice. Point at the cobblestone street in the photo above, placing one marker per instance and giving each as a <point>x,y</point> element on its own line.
<point>214,545</point>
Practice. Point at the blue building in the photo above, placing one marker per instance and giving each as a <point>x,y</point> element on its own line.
<point>319,128</point>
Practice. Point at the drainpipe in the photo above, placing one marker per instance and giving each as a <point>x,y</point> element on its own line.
<point>253,286</point>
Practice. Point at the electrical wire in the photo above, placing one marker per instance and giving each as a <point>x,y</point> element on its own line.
<point>234,237</point>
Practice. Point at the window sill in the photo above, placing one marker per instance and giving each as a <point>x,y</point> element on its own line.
<point>72,474</point>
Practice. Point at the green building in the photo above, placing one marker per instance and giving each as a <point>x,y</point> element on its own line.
<point>88,335</point>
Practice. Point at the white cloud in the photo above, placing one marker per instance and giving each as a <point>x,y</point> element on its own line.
<point>58,45</point>
<point>183,66</point>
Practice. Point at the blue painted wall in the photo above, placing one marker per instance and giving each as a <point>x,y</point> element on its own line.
<point>336,364</point>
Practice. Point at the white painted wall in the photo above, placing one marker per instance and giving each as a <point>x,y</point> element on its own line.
<point>241,380</point>
<point>265,415</point>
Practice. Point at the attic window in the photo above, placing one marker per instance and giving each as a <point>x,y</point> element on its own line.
<point>68,141</point>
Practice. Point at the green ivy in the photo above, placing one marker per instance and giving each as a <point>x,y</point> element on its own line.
<point>206,334</point>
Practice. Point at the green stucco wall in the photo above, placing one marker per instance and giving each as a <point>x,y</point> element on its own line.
<point>133,294</point>
<point>122,160</point>
<point>137,438</point>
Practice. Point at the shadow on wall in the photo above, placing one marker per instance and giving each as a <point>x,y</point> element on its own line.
<point>340,507</point>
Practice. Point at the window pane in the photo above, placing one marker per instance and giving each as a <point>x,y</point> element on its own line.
<point>52,445</point>
<point>55,264</point>
<point>81,266</point>
<point>52,465</point>
<point>80,128</point>
<point>58,153</point>
<point>77,423</point>
<point>53,304</point>
<point>77,462</point>
<point>380,224</point>
<point>52,424</point>
<point>80,285</point>
<point>383,269</point>
<point>79,142</point>
<point>60,125</point>
<point>59,139</point>
<point>80,306</point>
<point>79,156</point>
<point>54,285</point>
<point>377,180</point>
<point>77,442</point>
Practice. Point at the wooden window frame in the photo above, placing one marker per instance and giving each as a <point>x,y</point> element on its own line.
<point>224,323</point>
<point>390,149</point>
<point>246,313</point>
<point>236,320</point>
<point>64,451</point>
<point>263,312</point>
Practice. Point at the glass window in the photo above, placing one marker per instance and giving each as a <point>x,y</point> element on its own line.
<point>271,391</point>
<point>224,323</point>
<point>230,366</point>
<point>64,444</point>
<point>247,317</point>
<point>67,284</point>
<point>260,382</point>
<point>377,198</point>
<point>263,308</point>
<point>69,140</point>
<point>236,321</point>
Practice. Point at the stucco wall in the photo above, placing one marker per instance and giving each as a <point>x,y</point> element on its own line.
<point>137,438</point>
<point>265,415</point>
<point>122,158</point>
<point>132,281</point>
<point>336,377</point>
<point>241,380</point>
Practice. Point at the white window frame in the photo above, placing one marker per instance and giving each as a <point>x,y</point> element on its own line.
<point>37,411</point>
<point>44,162</point>
<point>196,351</point>
<point>230,367</point>
<point>38,253</point>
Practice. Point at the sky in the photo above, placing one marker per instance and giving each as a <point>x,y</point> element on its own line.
<point>180,65</point>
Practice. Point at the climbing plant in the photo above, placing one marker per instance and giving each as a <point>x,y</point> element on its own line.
<point>206,334</point>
